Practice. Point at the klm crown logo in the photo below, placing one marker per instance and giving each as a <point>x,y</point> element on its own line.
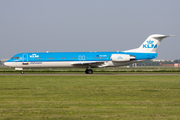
<point>34,56</point>
<point>150,44</point>
<point>120,57</point>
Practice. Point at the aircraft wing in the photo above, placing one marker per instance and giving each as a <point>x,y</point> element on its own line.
<point>87,63</point>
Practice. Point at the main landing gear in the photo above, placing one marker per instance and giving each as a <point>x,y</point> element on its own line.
<point>89,71</point>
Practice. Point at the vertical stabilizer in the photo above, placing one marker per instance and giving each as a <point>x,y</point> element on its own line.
<point>150,44</point>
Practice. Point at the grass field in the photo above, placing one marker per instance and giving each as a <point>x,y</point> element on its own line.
<point>132,70</point>
<point>90,97</point>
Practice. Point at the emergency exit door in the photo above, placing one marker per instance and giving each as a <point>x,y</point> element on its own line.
<point>25,59</point>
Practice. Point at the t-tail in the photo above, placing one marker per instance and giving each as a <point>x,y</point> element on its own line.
<point>150,44</point>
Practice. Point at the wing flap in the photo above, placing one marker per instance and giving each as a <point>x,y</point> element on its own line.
<point>85,63</point>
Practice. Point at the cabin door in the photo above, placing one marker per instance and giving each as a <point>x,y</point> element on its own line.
<point>25,59</point>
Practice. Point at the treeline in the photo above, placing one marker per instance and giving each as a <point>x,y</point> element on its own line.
<point>177,61</point>
<point>152,63</point>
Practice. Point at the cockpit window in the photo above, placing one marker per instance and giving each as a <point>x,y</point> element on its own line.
<point>15,58</point>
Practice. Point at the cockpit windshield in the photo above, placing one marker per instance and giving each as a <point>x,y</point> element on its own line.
<point>15,58</point>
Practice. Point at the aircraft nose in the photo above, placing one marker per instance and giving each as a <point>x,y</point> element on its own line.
<point>6,63</point>
<point>10,64</point>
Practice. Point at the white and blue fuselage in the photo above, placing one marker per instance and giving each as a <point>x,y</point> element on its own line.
<point>73,59</point>
<point>87,59</point>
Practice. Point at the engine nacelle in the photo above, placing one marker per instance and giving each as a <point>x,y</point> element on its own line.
<point>121,57</point>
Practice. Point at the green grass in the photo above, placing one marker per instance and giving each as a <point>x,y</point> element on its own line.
<point>89,97</point>
<point>135,70</point>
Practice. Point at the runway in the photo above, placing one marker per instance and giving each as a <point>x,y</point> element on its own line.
<point>89,74</point>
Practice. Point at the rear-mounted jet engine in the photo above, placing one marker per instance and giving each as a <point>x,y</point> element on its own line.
<point>121,57</point>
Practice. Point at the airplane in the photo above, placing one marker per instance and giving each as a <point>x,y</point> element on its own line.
<point>87,60</point>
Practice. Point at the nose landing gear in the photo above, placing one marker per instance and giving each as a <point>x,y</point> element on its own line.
<point>89,71</point>
<point>22,72</point>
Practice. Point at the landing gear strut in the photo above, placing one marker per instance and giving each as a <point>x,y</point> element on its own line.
<point>89,71</point>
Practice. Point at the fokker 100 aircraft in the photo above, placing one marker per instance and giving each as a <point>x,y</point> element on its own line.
<point>87,60</point>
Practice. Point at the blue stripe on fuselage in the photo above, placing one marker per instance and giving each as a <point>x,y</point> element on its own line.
<point>76,56</point>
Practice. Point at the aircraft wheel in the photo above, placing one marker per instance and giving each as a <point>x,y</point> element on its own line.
<point>86,71</point>
<point>22,72</point>
<point>89,71</point>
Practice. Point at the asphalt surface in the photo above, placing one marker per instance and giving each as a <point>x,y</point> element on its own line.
<point>84,74</point>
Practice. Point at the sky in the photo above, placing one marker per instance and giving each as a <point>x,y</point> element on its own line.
<point>87,25</point>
